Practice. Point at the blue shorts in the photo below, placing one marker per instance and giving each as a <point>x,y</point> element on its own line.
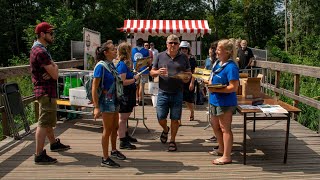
<point>169,101</point>
<point>108,103</point>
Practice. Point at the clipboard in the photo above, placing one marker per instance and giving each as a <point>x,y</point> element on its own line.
<point>216,86</point>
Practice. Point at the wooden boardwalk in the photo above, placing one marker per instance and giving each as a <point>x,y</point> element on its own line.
<point>151,161</point>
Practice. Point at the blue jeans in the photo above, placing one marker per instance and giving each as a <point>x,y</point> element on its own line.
<point>169,101</point>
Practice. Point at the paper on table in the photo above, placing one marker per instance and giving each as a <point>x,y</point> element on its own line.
<point>266,108</point>
<point>249,107</point>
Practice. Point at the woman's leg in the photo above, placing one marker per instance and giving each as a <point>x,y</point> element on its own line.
<point>115,127</point>
<point>123,118</point>
<point>191,108</point>
<point>107,129</point>
<point>225,124</point>
<point>217,131</point>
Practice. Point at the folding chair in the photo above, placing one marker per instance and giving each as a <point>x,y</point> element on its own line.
<point>14,109</point>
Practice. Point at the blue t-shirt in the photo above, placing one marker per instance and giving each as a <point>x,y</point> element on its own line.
<point>108,77</point>
<point>208,64</point>
<point>230,72</point>
<point>138,54</point>
<point>123,68</point>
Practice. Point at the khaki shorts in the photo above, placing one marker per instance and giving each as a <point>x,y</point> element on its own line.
<point>47,112</point>
<point>219,110</point>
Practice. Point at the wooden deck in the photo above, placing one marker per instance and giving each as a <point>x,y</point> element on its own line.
<point>151,161</point>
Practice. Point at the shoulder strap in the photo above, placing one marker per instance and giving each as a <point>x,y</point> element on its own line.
<point>213,73</point>
<point>114,73</point>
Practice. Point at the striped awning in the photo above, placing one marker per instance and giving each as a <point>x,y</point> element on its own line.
<point>166,26</point>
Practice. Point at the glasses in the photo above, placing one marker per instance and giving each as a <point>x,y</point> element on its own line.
<point>184,48</point>
<point>51,33</point>
<point>175,43</point>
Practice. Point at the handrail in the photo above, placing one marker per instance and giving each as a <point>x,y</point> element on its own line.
<point>7,72</point>
<point>310,71</point>
<point>14,71</point>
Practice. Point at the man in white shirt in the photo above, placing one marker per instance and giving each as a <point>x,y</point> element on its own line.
<point>155,52</point>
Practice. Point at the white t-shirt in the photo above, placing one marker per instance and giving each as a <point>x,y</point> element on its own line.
<point>155,53</point>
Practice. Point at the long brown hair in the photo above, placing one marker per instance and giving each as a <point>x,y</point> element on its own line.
<point>124,50</point>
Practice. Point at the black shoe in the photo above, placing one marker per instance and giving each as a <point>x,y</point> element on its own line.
<point>44,159</point>
<point>127,145</point>
<point>117,154</point>
<point>212,139</point>
<point>58,146</point>
<point>109,163</point>
<point>140,103</point>
<point>131,139</point>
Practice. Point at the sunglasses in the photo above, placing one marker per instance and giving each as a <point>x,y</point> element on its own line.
<point>51,33</point>
<point>175,43</point>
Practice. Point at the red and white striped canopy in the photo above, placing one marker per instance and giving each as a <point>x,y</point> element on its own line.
<point>166,26</point>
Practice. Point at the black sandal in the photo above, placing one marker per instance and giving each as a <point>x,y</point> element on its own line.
<point>172,147</point>
<point>164,136</point>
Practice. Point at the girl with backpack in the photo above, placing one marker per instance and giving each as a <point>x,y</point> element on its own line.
<point>106,104</point>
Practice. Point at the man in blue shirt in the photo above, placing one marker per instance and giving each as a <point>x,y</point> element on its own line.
<point>137,53</point>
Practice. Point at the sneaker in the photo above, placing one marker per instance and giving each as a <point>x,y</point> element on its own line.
<point>58,146</point>
<point>127,145</point>
<point>117,154</point>
<point>109,163</point>
<point>140,103</point>
<point>131,139</point>
<point>44,159</point>
<point>212,139</point>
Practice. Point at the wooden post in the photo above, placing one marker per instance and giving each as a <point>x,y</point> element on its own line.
<point>296,91</point>
<point>277,82</point>
<point>4,122</point>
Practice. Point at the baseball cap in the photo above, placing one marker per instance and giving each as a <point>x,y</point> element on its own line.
<point>43,27</point>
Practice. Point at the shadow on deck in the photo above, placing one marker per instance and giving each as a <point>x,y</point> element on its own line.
<point>265,149</point>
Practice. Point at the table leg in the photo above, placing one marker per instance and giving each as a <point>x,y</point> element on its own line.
<point>244,138</point>
<point>254,122</point>
<point>287,139</point>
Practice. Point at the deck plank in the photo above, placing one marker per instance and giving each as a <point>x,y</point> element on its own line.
<point>265,149</point>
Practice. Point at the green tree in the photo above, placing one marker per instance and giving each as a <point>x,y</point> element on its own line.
<point>67,28</point>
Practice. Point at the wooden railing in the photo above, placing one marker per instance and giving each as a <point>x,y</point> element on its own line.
<point>297,71</point>
<point>15,71</point>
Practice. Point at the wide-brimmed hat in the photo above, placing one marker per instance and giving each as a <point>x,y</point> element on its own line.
<point>184,44</point>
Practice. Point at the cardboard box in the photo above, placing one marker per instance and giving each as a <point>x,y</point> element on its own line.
<point>239,91</point>
<point>251,87</point>
<point>78,97</point>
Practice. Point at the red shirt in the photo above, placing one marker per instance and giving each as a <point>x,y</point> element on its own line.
<point>40,57</point>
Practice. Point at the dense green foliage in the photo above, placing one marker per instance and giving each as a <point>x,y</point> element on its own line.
<point>261,22</point>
